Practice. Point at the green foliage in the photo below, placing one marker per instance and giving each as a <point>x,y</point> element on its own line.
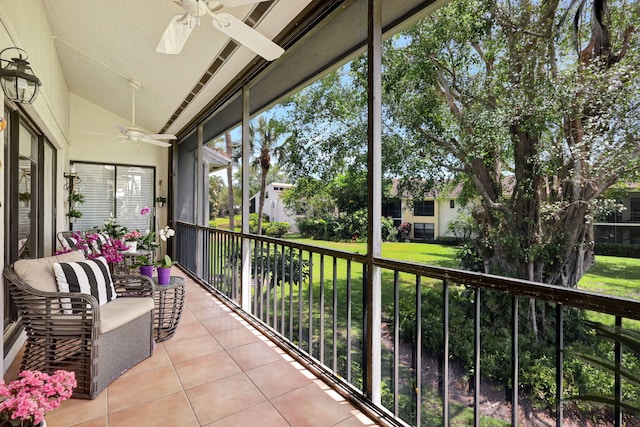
<point>276,229</point>
<point>537,352</point>
<point>165,262</point>
<point>269,264</point>
<point>618,250</point>
<point>76,198</point>
<point>450,240</point>
<point>74,214</point>
<point>148,242</point>
<point>389,230</point>
<point>253,223</point>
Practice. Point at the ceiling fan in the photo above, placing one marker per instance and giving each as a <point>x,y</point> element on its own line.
<point>180,27</point>
<point>135,134</point>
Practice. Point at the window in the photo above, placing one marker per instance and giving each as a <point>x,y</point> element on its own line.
<point>423,231</point>
<point>452,204</point>
<point>423,208</point>
<point>115,190</point>
<point>392,208</point>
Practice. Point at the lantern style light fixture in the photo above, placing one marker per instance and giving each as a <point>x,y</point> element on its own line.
<point>16,77</point>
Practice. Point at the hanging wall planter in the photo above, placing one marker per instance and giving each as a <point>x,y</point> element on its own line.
<point>160,201</point>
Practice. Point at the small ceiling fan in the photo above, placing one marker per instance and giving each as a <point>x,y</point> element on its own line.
<point>180,27</point>
<point>135,134</point>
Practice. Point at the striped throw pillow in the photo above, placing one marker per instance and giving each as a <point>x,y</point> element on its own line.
<point>88,277</point>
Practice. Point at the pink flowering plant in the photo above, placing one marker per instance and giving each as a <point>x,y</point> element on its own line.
<point>132,236</point>
<point>145,211</point>
<point>93,247</point>
<point>27,399</point>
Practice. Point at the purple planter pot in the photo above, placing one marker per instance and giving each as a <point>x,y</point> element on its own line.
<point>146,270</point>
<point>164,274</point>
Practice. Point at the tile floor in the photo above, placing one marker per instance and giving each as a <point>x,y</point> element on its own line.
<point>215,371</point>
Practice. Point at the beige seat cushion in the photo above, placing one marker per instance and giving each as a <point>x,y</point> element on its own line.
<point>122,310</point>
<point>38,272</point>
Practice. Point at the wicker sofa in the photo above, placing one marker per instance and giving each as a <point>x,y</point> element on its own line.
<point>98,342</point>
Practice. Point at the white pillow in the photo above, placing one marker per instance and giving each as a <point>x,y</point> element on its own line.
<point>88,277</point>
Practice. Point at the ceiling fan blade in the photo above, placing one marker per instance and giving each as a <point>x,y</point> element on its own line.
<point>247,36</point>
<point>123,130</point>
<point>175,36</point>
<point>154,142</point>
<point>234,3</point>
<point>161,136</point>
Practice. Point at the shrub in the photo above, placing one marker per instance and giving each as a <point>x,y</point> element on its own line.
<point>450,240</point>
<point>617,249</point>
<point>276,229</point>
<point>389,231</point>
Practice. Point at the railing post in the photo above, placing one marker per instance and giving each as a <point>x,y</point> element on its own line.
<point>374,160</point>
<point>245,289</point>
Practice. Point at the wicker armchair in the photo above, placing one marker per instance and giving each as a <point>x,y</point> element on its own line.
<point>98,342</point>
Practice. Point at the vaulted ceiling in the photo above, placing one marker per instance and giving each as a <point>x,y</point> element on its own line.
<point>102,44</point>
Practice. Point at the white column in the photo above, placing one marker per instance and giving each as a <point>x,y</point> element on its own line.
<point>374,240</point>
<point>245,292</point>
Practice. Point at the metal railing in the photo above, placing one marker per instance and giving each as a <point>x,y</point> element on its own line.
<point>313,299</point>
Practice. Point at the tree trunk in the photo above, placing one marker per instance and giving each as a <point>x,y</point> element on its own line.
<point>230,201</point>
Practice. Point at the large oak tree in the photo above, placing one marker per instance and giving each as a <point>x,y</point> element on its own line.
<point>533,105</point>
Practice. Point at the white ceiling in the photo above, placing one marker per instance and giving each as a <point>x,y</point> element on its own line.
<point>101,44</point>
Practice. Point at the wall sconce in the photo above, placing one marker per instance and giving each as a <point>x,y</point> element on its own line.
<point>17,79</point>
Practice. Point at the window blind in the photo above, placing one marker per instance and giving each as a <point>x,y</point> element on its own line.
<point>115,191</point>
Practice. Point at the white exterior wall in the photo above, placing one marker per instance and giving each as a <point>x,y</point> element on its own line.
<point>446,215</point>
<point>274,206</point>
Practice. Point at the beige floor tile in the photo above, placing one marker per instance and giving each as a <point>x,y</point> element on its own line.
<point>97,422</point>
<point>180,351</point>
<point>357,420</point>
<point>310,406</point>
<point>193,374</point>
<point>222,323</point>
<point>252,355</point>
<point>186,331</point>
<point>76,411</point>
<point>236,337</point>
<point>158,359</point>
<point>187,317</point>
<point>205,369</point>
<point>277,378</point>
<point>204,301</point>
<point>135,389</point>
<point>172,410</point>
<point>215,400</point>
<point>263,415</point>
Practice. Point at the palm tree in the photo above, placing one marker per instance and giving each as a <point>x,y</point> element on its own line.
<point>265,140</point>
<point>230,201</point>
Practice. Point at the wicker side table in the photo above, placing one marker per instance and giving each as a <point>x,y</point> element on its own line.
<point>169,301</point>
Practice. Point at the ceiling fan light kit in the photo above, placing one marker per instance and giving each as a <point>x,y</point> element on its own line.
<point>135,134</point>
<point>180,26</point>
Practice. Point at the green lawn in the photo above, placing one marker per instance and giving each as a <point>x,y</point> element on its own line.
<point>610,275</point>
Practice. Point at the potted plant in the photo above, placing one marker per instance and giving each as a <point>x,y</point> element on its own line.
<point>74,215</point>
<point>34,393</point>
<point>164,270</point>
<point>131,240</point>
<point>24,199</point>
<point>112,229</point>
<point>146,265</point>
<point>76,199</point>
<point>148,242</point>
<point>161,200</point>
